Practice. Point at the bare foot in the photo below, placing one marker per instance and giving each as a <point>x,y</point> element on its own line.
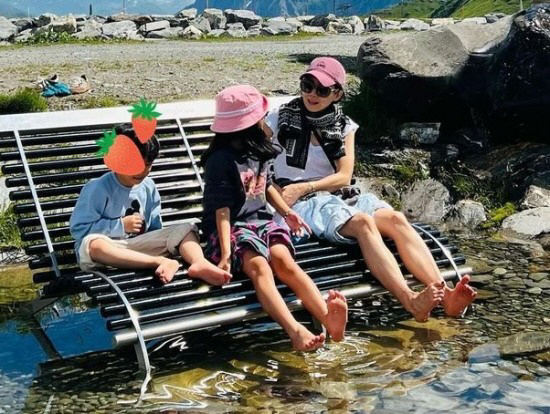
<point>304,340</point>
<point>458,299</point>
<point>208,272</point>
<point>337,316</point>
<point>423,303</point>
<point>167,269</point>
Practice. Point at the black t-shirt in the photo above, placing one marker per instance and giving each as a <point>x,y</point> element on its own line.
<point>231,180</point>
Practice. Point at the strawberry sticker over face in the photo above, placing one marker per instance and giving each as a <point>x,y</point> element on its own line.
<point>144,119</point>
<point>120,154</point>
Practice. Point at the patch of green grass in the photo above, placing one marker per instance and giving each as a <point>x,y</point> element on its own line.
<point>23,101</point>
<point>9,233</point>
<point>498,214</point>
<point>408,174</point>
<point>101,102</point>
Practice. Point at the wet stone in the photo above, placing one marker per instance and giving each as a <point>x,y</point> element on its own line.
<point>499,271</point>
<point>534,291</point>
<point>537,277</point>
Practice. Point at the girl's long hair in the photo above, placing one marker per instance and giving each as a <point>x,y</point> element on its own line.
<point>250,142</point>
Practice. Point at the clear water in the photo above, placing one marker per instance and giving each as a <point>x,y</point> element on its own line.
<point>387,364</point>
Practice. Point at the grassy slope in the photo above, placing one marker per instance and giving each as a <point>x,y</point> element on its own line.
<point>457,8</point>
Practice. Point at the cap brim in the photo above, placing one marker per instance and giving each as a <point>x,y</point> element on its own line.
<point>322,77</point>
<point>226,125</point>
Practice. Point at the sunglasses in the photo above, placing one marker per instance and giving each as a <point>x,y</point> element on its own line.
<point>308,86</point>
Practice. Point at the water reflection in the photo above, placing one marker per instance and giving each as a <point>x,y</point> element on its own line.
<point>388,363</point>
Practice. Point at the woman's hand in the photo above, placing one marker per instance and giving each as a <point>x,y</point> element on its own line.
<point>225,264</point>
<point>292,192</point>
<point>297,225</point>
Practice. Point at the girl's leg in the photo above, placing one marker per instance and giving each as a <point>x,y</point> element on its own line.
<point>257,269</point>
<point>333,313</point>
<point>200,267</point>
<point>385,268</point>
<point>417,258</point>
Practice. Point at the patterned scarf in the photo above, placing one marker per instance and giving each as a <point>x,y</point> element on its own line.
<point>296,124</point>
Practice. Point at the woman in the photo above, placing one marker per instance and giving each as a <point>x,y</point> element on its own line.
<point>319,154</point>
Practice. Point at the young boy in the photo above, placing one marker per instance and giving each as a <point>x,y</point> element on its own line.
<point>116,222</point>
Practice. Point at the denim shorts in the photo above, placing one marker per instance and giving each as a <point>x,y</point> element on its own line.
<point>326,214</point>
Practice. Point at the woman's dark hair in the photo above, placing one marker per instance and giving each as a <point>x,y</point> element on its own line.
<point>251,142</point>
<point>149,151</point>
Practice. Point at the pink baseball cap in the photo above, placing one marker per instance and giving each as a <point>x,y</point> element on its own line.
<point>238,107</point>
<point>327,71</point>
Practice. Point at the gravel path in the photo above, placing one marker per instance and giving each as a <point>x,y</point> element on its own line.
<point>170,70</point>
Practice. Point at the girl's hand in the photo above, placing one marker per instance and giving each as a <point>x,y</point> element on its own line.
<point>292,192</point>
<point>225,264</point>
<point>297,225</point>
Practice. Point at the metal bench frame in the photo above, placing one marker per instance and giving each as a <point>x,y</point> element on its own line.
<point>14,124</point>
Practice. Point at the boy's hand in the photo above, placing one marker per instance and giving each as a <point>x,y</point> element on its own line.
<point>296,224</point>
<point>132,224</point>
<point>225,264</point>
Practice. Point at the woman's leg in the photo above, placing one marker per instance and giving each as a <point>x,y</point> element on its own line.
<point>419,261</point>
<point>258,270</point>
<point>333,313</point>
<point>384,267</point>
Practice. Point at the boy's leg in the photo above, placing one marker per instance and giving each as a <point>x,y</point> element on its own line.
<point>384,267</point>
<point>258,270</point>
<point>333,313</point>
<point>104,251</point>
<point>200,267</point>
<point>419,261</point>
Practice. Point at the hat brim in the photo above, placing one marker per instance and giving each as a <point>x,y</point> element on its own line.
<point>238,123</point>
<point>322,77</point>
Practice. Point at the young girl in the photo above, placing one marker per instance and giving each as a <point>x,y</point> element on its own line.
<point>240,232</point>
<point>318,161</point>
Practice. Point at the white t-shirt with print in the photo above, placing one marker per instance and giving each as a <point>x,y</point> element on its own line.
<point>317,165</point>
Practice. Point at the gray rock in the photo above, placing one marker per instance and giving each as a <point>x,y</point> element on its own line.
<point>236,30</point>
<point>529,222</point>
<point>23,24</point>
<point>312,29</point>
<point>474,20</point>
<point>443,21</point>
<point>122,17</point>
<point>187,13</point>
<point>216,18</point>
<point>322,20</point>
<point>390,190</point>
<point>119,30</point>
<point>484,353</point>
<point>338,27</point>
<point>467,213</point>
<point>294,22</point>
<point>536,197</point>
<point>7,29</point>
<point>492,18</point>
<point>168,33</point>
<point>305,19</point>
<point>216,33</point>
<point>374,23</point>
<point>537,277</point>
<point>45,19</point>
<point>91,25</point>
<point>255,30</point>
<point>192,32</point>
<point>427,201</point>
<point>534,291</point>
<point>246,17</point>
<point>416,133</point>
<point>88,34</point>
<point>523,343</point>
<point>452,152</point>
<point>414,24</point>
<point>202,23</point>
<point>142,20</point>
<point>154,26</point>
<point>277,28</point>
<point>66,24</point>
<point>481,279</point>
<point>356,24</point>
<point>499,271</point>
<point>24,36</point>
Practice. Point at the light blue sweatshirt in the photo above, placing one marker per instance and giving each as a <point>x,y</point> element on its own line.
<point>103,203</point>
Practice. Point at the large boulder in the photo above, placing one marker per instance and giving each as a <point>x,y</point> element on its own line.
<point>7,29</point>
<point>154,26</point>
<point>187,14</point>
<point>119,30</point>
<point>467,214</point>
<point>529,222</point>
<point>168,33</point>
<point>414,72</point>
<point>427,201</point>
<point>216,18</point>
<point>414,24</point>
<point>23,24</point>
<point>536,197</point>
<point>374,23</point>
<point>246,17</point>
<point>322,20</point>
<point>235,30</point>
<point>275,27</point>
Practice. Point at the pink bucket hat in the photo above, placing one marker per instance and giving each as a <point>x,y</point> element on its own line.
<point>327,71</point>
<point>238,107</point>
